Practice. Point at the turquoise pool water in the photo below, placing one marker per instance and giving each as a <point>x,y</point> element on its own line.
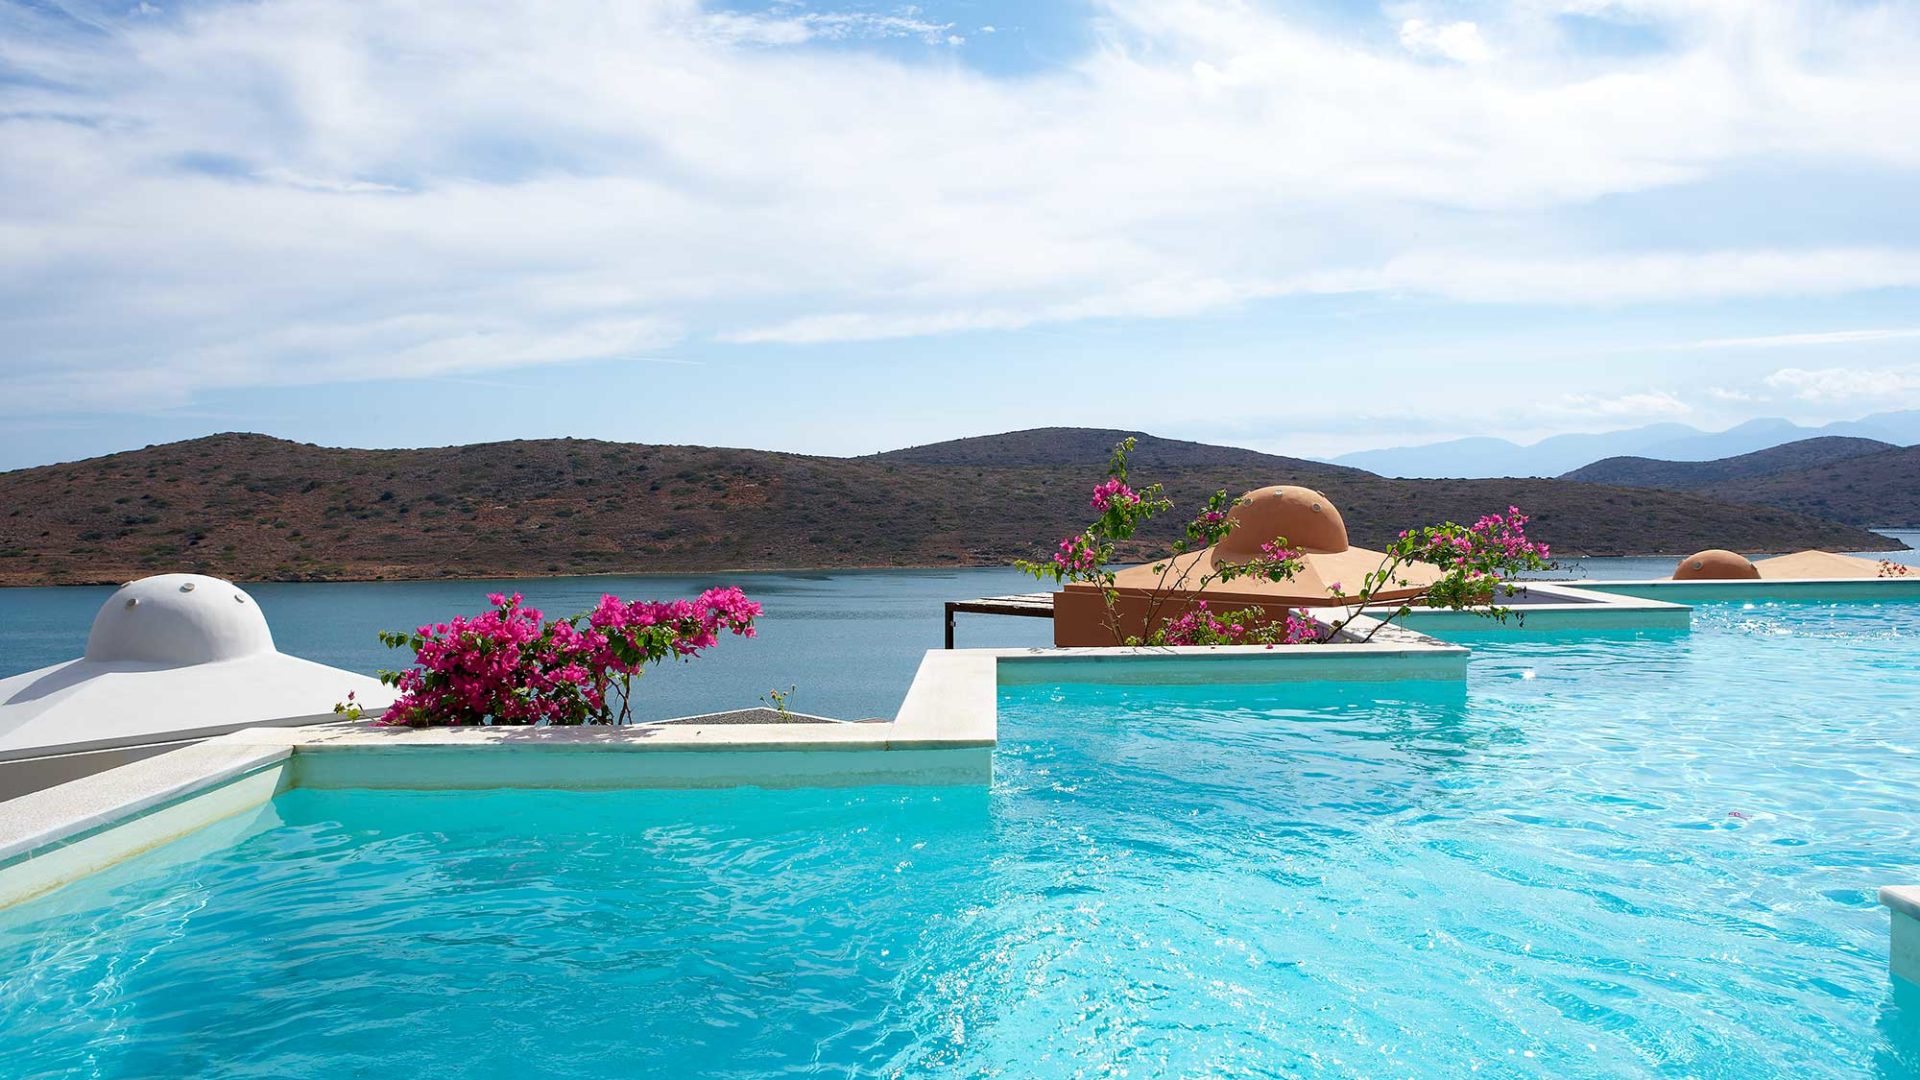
<point>1623,856</point>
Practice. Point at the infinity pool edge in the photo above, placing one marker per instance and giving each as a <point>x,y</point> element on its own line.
<point>944,734</point>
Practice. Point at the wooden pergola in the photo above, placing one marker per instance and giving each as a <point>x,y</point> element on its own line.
<point>1023,605</point>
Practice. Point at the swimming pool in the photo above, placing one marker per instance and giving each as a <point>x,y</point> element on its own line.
<point>1636,854</point>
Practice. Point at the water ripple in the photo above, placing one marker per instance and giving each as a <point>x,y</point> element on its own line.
<point>1643,855</point>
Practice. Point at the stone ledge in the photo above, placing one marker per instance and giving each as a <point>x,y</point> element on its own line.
<point>1902,898</point>
<point>750,716</point>
<point>61,813</point>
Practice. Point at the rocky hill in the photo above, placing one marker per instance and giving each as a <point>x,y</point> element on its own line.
<point>1704,475</point>
<point>252,508</point>
<point>1857,481</point>
<point>1875,489</point>
<point>1089,448</point>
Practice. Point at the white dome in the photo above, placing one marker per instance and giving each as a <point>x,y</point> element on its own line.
<point>178,619</point>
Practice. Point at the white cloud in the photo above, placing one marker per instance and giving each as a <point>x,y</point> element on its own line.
<point>290,178</point>
<point>799,28</point>
<point>1464,276</point>
<point>1651,404</point>
<point>1157,299</point>
<point>432,186</point>
<point>1792,341</point>
<point>1888,387</point>
<point>1648,277</point>
<point>1457,41</point>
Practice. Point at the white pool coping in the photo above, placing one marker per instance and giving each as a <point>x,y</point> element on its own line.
<point>82,717</point>
<point>1849,589</point>
<point>1570,607</point>
<point>1395,654</point>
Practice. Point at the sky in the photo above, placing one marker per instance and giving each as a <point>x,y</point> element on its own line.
<point>841,227</point>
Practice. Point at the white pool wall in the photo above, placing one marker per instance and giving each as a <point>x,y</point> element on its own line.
<point>1553,607</point>
<point>66,832</point>
<point>1850,590</point>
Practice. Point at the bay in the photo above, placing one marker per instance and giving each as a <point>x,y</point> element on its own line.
<point>846,642</point>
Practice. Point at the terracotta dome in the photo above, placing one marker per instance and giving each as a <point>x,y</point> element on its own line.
<point>1715,564</point>
<point>1302,516</point>
<point>1330,574</point>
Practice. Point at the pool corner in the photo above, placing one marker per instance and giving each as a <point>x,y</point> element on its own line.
<point>1903,949</point>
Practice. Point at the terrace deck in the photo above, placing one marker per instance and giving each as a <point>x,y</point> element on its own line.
<point>1024,605</point>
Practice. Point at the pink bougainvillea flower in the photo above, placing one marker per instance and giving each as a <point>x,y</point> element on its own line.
<point>512,666</point>
<point>1112,493</point>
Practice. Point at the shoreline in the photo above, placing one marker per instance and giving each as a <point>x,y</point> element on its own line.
<point>99,580</point>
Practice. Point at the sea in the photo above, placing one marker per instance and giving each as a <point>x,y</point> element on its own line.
<point>837,643</point>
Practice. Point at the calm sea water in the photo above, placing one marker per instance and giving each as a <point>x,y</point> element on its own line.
<point>1632,855</point>
<point>847,641</point>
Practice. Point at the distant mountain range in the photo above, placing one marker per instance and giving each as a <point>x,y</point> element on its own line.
<point>1860,481</point>
<point>1700,475</point>
<point>254,508</point>
<point>1486,457</point>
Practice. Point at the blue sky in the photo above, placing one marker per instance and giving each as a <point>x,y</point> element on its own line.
<point>843,227</point>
